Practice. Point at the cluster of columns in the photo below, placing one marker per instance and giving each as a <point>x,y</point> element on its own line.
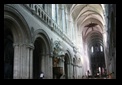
<point>23,64</point>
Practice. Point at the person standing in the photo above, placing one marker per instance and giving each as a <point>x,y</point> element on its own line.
<point>41,75</point>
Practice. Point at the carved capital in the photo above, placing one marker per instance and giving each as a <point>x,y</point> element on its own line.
<point>14,45</point>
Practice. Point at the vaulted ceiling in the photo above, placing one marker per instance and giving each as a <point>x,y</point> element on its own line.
<point>89,19</point>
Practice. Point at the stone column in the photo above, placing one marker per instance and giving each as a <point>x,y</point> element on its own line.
<point>46,66</point>
<point>50,67</point>
<point>69,70</point>
<point>60,17</point>
<point>66,19</point>
<point>26,61</point>
<point>63,19</point>
<point>23,61</point>
<point>70,27</point>
<point>78,74</point>
<point>73,71</point>
<point>31,62</point>
<point>68,23</point>
<point>17,70</point>
<point>50,10</point>
<point>106,59</point>
<point>77,68</point>
<point>45,8</point>
<point>30,48</point>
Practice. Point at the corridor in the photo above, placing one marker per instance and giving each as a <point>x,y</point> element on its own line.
<point>62,41</point>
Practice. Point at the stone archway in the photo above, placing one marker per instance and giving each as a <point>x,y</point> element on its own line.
<point>42,62</point>
<point>67,65</point>
<point>18,39</point>
<point>37,57</point>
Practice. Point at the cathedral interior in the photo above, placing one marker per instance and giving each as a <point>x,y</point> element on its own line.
<point>64,41</point>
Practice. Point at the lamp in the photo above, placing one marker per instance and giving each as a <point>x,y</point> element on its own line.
<point>91,25</point>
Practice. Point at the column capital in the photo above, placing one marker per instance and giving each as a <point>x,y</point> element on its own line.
<point>30,46</point>
<point>27,45</point>
<point>15,44</point>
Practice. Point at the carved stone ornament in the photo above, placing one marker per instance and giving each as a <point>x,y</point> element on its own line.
<point>58,49</point>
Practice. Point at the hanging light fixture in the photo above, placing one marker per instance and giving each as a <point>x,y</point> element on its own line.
<point>91,25</point>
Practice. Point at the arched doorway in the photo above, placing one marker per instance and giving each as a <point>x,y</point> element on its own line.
<point>42,62</point>
<point>17,39</point>
<point>8,54</point>
<point>66,62</point>
<point>38,53</point>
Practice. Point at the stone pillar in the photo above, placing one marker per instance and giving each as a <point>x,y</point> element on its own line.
<point>30,49</point>
<point>60,17</point>
<point>50,10</point>
<point>17,70</point>
<point>23,61</point>
<point>73,71</point>
<point>70,27</point>
<point>45,66</point>
<point>63,19</point>
<point>73,31</point>
<point>106,59</point>
<point>76,33</point>
<point>66,17</point>
<point>26,61</point>
<point>50,67</point>
<point>77,72</point>
<point>31,63</point>
<point>69,70</point>
<point>80,72</point>
<point>114,69</point>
